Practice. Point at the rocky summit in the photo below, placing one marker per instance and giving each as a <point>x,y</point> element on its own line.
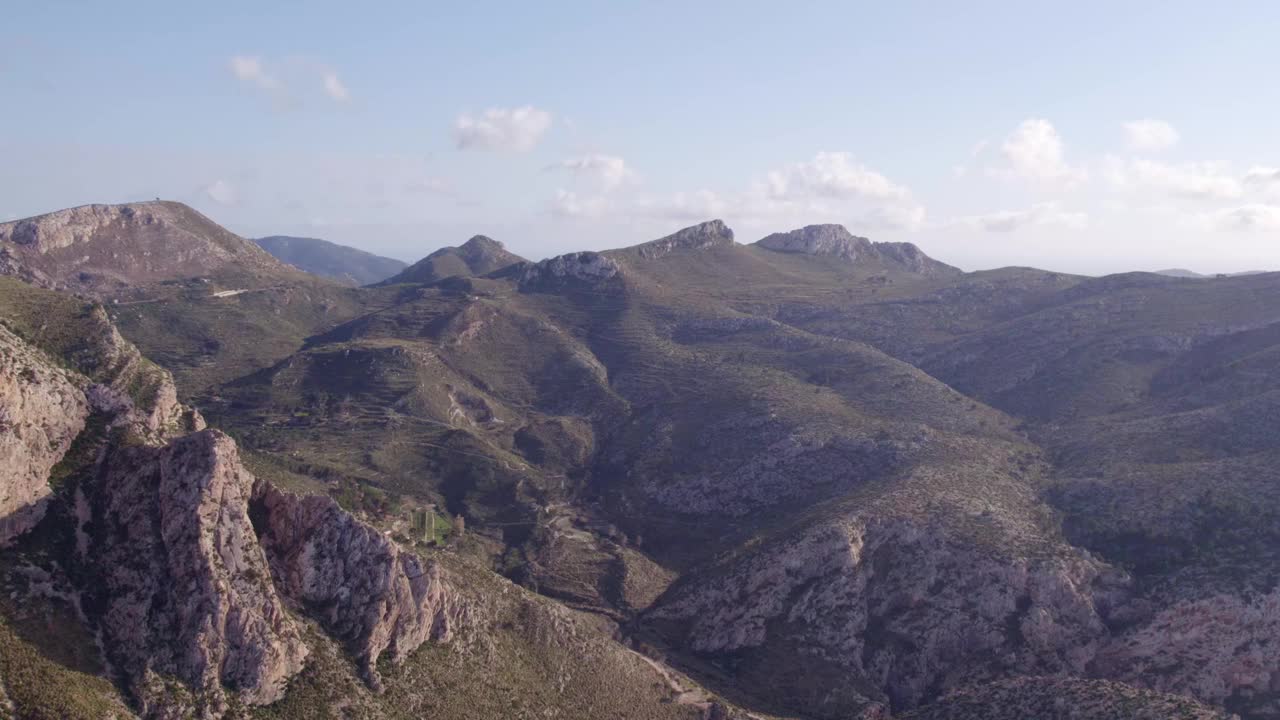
<point>813,477</point>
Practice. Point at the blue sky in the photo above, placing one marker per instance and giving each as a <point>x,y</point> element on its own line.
<point>1088,137</point>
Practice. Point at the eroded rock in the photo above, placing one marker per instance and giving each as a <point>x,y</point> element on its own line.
<point>360,586</point>
<point>182,586</point>
<point>42,410</point>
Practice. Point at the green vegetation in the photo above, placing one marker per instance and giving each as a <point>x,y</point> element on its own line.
<point>43,689</point>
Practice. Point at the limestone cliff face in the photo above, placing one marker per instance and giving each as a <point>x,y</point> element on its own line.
<point>42,410</point>
<point>710,234</point>
<point>828,240</point>
<point>1217,649</point>
<point>836,242</point>
<point>95,248</point>
<point>900,611</point>
<point>359,585</point>
<point>586,267</point>
<point>182,583</point>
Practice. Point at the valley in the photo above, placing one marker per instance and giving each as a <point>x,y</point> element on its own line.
<point>809,476</point>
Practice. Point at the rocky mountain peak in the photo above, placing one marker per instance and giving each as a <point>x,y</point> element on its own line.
<point>836,241</point>
<point>93,248</point>
<point>710,234</point>
<point>479,244</point>
<point>585,266</point>
<point>480,255</point>
<point>831,240</point>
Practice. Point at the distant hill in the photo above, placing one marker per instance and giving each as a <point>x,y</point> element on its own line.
<point>1185,273</point>
<point>331,260</point>
<point>99,249</point>
<point>478,256</point>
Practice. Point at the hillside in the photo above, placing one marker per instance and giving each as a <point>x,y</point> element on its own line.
<point>478,256</point>
<point>809,477</point>
<point>338,262</point>
<point>99,250</point>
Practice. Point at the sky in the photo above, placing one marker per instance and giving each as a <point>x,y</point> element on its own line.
<point>1088,137</point>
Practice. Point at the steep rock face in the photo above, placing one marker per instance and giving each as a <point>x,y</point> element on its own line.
<point>1217,649</point>
<point>710,234</point>
<point>900,611</point>
<point>42,410</point>
<point>358,584</point>
<point>837,242</point>
<point>586,267</point>
<point>183,588</point>
<point>95,248</point>
<point>828,240</point>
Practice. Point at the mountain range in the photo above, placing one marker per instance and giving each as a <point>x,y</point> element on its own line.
<point>339,262</point>
<point>809,477</point>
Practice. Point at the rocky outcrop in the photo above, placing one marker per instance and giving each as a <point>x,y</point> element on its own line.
<point>837,242</point>
<point>182,588</point>
<point>98,248</point>
<point>826,240</point>
<point>710,234</point>
<point>42,410</point>
<point>1217,649</point>
<point>587,267</point>
<point>360,586</point>
<point>900,610</point>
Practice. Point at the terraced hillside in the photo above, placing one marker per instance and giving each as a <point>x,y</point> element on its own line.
<point>809,477</point>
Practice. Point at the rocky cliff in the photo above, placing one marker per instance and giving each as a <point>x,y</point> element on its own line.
<point>835,241</point>
<point>42,410</point>
<point>180,581</point>
<point>359,585</point>
<point>899,609</point>
<point>95,249</point>
<point>710,234</point>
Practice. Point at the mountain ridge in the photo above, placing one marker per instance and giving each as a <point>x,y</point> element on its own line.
<point>340,262</point>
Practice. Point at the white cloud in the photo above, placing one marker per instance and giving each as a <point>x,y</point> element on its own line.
<point>1150,135</point>
<point>1035,151</point>
<point>568,204</point>
<point>221,192</point>
<point>333,86</point>
<point>831,175</point>
<point>831,187</point>
<point>250,70</point>
<point>1042,214</point>
<point>511,129</point>
<point>1251,217</point>
<point>1263,179</point>
<point>609,170</point>
<point>893,217</point>
<point>286,80</point>
<point>1203,181</point>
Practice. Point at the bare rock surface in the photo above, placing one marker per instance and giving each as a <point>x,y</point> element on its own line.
<point>95,248</point>
<point>837,242</point>
<point>360,586</point>
<point>710,234</point>
<point>586,266</point>
<point>1217,649</point>
<point>42,410</point>
<point>900,610</point>
<point>183,587</point>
